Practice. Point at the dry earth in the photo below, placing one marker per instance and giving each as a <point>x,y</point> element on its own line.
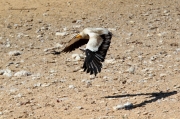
<point>142,66</point>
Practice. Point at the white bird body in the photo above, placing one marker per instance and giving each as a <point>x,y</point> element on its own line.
<point>98,41</point>
<point>94,43</point>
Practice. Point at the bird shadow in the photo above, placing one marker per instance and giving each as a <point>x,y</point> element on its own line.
<point>155,96</point>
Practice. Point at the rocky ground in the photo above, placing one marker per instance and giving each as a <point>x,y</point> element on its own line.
<point>139,79</point>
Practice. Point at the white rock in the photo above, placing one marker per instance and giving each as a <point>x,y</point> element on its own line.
<point>130,34</point>
<point>45,14</point>
<point>18,95</point>
<point>71,86</point>
<point>8,44</point>
<point>92,76</point>
<point>128,105</point>
<point>46,85</point>
<point>153,58</point>
<point>22,73</point>
<point>61,33</point>
<point>105,77</point>
<point>82,56</point>
<point>1,72</point>
<point>1,113</point>
<point>79,107</point>
<point>110,61</point>
<point>58,45</point>
<point>132,22</point>
<point>88,83</point>
<point>131,69</point>
<point>65,29</point>
<point>37,84</point>
<point>14,53</point>
<point>178,49</point>
<point>76,26</point>
<point>76,57</point>
<point>20,35</point>
<point>163,75</point>
<point>112,29</point>
<point>13,90</point>
<point>6,72</point>
<point>78,21</point>
<point>118,107</point>
<point>39,36</point>
<point>149,35</point>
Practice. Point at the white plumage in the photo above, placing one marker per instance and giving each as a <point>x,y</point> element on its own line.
<point>98,41</point>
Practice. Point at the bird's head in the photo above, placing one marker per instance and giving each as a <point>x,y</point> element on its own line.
<point>82,35</point>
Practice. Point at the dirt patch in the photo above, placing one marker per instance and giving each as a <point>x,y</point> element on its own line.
<point>142,67</point>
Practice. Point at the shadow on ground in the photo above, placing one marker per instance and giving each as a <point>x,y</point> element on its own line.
<point>154,96</point>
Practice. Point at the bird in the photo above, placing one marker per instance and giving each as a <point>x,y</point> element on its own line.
<point>97,42</point>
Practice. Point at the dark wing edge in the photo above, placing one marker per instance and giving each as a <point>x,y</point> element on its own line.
<point>105,45</point>
<point>92,63</point>
<point>72,46</point>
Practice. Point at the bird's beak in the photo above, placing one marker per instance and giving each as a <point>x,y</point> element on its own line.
<point>78,36</point>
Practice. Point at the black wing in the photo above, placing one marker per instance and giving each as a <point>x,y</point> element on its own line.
<point>92,63</point>
<point>74,43</point>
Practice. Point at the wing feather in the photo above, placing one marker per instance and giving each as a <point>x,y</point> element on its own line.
<point>92,63</point>
<point>74,43</point>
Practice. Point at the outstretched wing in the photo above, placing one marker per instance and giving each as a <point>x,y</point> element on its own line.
<point>92,63</point>
<point>74,43</point>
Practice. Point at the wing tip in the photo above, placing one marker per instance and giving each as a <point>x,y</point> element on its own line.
<point>92,64</point>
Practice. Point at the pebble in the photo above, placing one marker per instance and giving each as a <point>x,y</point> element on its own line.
<point>61,33</point>
<point>20,35</point>
<point>132,22</point>
<point>39,36</point>
<point>1,72</point>
<point>118,107</point>
<point>131,70</point>
<point>6,72</point>
<point>76,26</point>
<point>127,105</point>
<point>37,85</point>
<point>8,44</point>
<point>71,86</point>
<point>178,50</point>
<point>22,73</point>
<point>79,107</point>
<point>14,53</point>
<point>92,76</point>
<point>110,61</point>
<point>45,14</point>
<point>45,85</point>
<point>78,21</point>
<point>58,45</point>
<point>13,90</point>
<point>153,58</point>
<point>1,113</point>
<point>88,83</point>
<point>112,29</point>
<point>76,57</point>
<point>18,95</point>
<point>163,75</point>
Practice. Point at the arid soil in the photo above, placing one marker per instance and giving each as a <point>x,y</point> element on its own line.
<point>142,67</point>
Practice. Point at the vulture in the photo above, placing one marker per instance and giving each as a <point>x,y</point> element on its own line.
<point>97,42</point>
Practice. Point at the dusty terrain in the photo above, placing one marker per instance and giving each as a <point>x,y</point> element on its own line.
<point>142,66</point>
